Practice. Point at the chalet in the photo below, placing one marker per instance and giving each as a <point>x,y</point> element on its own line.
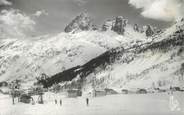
<point>110,91</point>
<point>72,93</point>
<point>98,93</point>
<point>24,98</point>
<point>124,91</point>
<point>159,90</point>
<point>141,91</point>
<point>3,84</point>
<point>176,89</point>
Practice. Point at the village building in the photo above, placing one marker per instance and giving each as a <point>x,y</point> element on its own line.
<point>141,91</point>
<point>124,91</point>
<point>72,93</point>
<point>98,93</point>
<point>3,84</point>
<point>24,98</point>
<point>110,91</point>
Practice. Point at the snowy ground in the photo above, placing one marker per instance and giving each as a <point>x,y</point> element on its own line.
<point>132,104</point>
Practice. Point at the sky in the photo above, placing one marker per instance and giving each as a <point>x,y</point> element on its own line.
<point>51,16</point>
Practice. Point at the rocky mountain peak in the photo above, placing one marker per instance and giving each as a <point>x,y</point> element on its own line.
<point>149,30</point>
<point>117,25</point>
<point>82,22</point>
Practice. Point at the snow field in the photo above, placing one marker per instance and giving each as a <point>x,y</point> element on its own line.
<point>131,104</point>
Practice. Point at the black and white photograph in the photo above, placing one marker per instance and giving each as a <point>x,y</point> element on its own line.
<point>91,57</point>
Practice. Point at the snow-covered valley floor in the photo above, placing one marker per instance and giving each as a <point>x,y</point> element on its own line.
<point>131,104</point>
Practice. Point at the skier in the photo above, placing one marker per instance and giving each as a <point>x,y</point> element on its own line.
<point>55,101</point>
<point>60,102</point>
<point>87,101</point>
<point>171,90</point>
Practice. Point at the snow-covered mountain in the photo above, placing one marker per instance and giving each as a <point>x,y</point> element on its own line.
<point>26,59</point>
<point>143,62</point>
<point>158,63</point>
<point>155,62</point>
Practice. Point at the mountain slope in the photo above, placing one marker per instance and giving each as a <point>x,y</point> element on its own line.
<point>26,59</point>
<point>153,63</point>
<point>158,63</point>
